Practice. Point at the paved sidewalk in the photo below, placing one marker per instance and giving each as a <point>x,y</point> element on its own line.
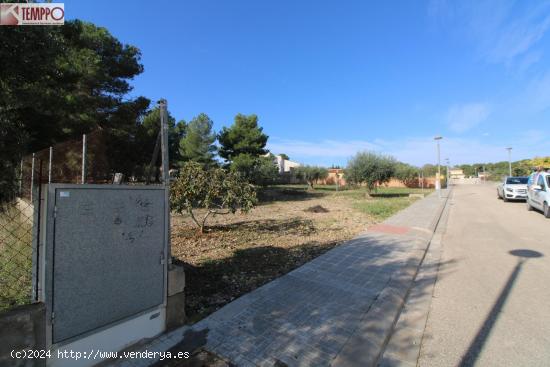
<point>338,309</point>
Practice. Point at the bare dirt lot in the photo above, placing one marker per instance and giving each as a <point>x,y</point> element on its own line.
<point>289,227</point>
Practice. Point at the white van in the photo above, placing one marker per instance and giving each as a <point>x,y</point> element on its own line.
<point>538,194</point>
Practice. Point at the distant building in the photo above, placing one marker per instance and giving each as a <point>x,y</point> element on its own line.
<point>284,165</point>
<point>456,173</point>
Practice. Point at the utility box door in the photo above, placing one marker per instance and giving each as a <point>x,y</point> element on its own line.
<point>107,257</point>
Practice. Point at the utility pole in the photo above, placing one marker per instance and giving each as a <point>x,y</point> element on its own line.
<point>448,163</point>
<point>438,178</point>
<point>165,172</point>
<point>509,149</point>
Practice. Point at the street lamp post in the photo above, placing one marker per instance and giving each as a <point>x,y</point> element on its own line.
<point>448,180</point>
<point>509,149</point>
<point>438,178</point>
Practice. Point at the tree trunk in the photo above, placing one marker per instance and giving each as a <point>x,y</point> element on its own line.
<point>203,224</point>
<point>200,226</point>
<point>367,193</point>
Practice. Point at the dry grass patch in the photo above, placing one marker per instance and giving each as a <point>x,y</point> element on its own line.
<point>239,253</point>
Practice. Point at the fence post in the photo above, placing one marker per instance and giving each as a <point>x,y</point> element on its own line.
<point>21,179</point>
<point>32,176</point>
<point>83,180</point>
<point>154,158</point>
<point>165,171</point>
<point>50,166</point>
<point>36,239</point>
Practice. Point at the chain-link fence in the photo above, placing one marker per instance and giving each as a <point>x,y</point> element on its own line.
<point>19,229</point>
<point>101,157</point>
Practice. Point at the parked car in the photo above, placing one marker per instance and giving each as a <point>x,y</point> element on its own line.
<point>513,188</point>
<point>538,194</point>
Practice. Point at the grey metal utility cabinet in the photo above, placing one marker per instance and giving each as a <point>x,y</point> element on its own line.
<point>103,264</point>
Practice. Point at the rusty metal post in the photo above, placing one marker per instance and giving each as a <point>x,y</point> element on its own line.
<point>83,179</point>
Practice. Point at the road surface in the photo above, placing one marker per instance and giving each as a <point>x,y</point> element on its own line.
<point>490,307</point>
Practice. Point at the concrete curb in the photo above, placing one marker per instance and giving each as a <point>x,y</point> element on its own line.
<point>404,345</point>
<point>366,346</point>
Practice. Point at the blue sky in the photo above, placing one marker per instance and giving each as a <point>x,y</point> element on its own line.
<point>328,79</point>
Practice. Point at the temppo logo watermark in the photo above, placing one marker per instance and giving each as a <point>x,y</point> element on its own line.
<point>32,14</point>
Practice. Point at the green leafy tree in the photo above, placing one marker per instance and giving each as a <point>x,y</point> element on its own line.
<point>243,137</point>
<point>266,171</point>
<point>497,170</point>
<point>57,83</point>
<point>11,140</point>
<point>61,82</point>
<point>148,137</point>
<point>430,170</point>
<point>521,169</point>
<point>214,190</point>
<point>258,170</point>
<point>371,169</point>
<point>406,173</point>
<point>311,174</point>
<point>468,169</point>
<point>198,143</point>
<point>539,161</point>
<point>244,165</point>
<point>284,156</point>
<point>242,145</point>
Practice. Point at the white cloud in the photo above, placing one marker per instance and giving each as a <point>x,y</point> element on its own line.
<point>461,118</point>
<point>501,30</point>
<point>517,38</point>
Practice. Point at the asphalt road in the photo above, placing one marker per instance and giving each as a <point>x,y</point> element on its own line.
<point>490,307</point>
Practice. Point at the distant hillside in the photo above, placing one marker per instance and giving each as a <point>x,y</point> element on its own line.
<point>499,169</point>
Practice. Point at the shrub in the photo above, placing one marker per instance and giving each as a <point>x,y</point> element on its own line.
<point>311,174</point>
<point>215,190</point>
<point>406,173</point>
<point>258,170</point>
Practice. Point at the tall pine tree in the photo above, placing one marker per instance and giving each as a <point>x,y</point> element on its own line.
<point>198,143</point>
<point>243,137</point>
